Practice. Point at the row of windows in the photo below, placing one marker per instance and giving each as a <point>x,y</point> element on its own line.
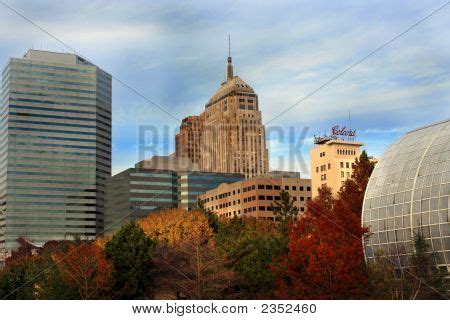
<point>40,80</point>
<point>253,187</point>
<point>346,152</point>
<point>323,167</point>
<point>49,88</point>
<point>50,67</point>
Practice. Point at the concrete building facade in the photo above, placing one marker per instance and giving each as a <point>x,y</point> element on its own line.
<point>187,141</point>
<point>332,162</point>
<point>254,197</point>
<point>55,150</point>
<point>232,136</point>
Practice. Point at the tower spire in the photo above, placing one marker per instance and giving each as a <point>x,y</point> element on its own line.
<point>229,65</point>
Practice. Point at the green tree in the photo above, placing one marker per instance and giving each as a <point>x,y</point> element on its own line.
<point>284,210</point>
<point>252,246</point>
<point>130,251</point>
<point>18,279</point>
<point>428,281</point>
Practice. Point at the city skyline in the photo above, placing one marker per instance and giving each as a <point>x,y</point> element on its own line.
<point>170,55</point>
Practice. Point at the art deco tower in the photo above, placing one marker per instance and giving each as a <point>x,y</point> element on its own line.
<point>233,137</point>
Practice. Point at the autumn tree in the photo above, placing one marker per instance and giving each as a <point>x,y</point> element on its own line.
<point>325,259</point>
<point>84,267</point>
<point>129,252</point>
<point>188,261</point>
<point>353,190</point>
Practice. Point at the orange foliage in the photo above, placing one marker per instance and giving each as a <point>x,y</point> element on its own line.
<point>85,267</point>
<point>325,259</point>
<point>175,226</point>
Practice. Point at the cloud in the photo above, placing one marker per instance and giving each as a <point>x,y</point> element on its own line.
<point>174,53</point>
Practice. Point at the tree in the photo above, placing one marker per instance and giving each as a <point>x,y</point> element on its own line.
<point>252,245</point>
<point>353,190</point>
<point>428,281</point>
<point>284,210</point>
<point>325,259</point>
<point>173,226</point>
<point>189,263</point>
<point>84,267</point>
<point>19,277</point>
<point>213,220</point>
<point>383,283</point>
<point>130,252</point>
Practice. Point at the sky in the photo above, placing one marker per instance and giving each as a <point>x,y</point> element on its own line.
<point>174,54</point>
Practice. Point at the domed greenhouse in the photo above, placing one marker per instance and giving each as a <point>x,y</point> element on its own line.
<point>407,192</point>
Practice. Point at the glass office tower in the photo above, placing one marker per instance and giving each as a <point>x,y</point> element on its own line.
<point>55,149</point>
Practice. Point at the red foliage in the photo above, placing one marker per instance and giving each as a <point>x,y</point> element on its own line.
<point>85,267</point>
<point>325,259</point>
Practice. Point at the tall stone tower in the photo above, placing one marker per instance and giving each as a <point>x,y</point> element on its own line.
<point>233,137</point>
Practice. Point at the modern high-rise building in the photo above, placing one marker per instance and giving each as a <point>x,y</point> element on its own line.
<point>55,149</point>
<point>187,141</point>
<point>332,161</point>
<point>232,136</point>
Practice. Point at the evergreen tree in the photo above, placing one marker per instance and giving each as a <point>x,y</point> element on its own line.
<point>284,210</point>
<point>429,282</point>
<point>130,251</point>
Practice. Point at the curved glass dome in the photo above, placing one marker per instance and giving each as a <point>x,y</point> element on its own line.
<point>408,189</point>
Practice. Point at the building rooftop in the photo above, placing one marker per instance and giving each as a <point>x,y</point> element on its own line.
<point>56,57</point>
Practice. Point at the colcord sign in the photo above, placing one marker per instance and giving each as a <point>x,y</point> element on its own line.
<point>342,132</point>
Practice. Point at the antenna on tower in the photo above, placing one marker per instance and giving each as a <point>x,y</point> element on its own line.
<point>349,119</point>
<point>229,46</point>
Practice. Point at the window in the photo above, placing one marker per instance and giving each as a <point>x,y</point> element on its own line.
<point>278,198</point>
<point>302,198</point>
<point>269,197</point>
<point>294,188</point>
<point>302,209</point>
<point>329,166</point>
<point>317,169</point>
<point>347,165</point>
<point>260,186</point>
<point>276,187</point>
<point>342,174</point>
<point>260,197</point>
<point>269,187</point>
<point>342,164</point>
<point>286,187</point>
<point>262,208</point>
<point>301,188</point>
<point>308,188</point>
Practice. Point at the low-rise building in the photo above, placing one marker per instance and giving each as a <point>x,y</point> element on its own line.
<point>255,197</point>
<point>155,184</point>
